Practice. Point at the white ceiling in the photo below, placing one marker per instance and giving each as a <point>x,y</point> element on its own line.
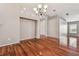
<point>61,9</point>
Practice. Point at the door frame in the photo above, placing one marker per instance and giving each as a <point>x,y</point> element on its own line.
<point>23,18</point>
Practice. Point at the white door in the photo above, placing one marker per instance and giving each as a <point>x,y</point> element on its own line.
<point>27,29</point>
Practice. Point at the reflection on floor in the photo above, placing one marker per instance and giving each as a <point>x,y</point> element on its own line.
<point>37,47</point>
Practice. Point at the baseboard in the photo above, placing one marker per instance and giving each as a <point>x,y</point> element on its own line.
<point>43,36</point>
<point>9,44</point>
<point>29,39</point>
<point>52,37</point>
<point>26,39</point>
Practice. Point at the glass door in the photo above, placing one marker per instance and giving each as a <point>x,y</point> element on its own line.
<point>72,35</point>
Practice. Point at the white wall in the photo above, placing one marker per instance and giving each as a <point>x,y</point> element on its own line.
<point>9,29</point>
<point>53,27</point>
<point>10,23</point>
<point>43,27</point>
<point>38,29</point>
<point>50,27</point>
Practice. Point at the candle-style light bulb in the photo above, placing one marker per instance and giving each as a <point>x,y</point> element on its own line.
<point>45,6</point>
<point>40,6</point>
<point>35,9</point>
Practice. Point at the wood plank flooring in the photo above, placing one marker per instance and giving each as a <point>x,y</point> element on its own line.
<point>37,47</point>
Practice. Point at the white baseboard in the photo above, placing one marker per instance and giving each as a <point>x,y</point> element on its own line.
<point>9,44</point>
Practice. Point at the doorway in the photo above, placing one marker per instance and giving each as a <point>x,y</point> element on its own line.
<point>27,28</point>
<point>72,34</point>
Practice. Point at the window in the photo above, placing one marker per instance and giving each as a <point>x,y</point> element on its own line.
<point>73,28</point>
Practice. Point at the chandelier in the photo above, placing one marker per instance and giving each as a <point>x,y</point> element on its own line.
<point>40,9</point>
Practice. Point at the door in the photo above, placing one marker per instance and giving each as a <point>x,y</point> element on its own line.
<point>27,29</point>
<point>72,34</point>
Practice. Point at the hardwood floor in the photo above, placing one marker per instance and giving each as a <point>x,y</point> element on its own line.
<point>37,47</point>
